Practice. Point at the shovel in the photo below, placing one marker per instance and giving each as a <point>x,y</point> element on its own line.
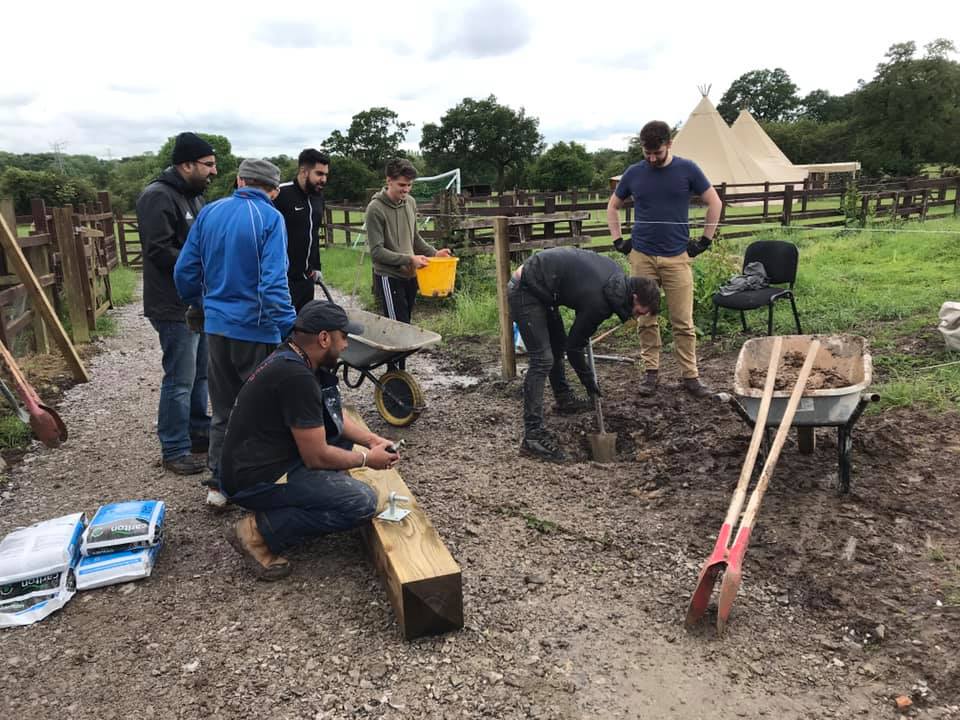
<point>603,445</point>
<point>733,575</point>
<point>44,421</point>
<point>718,558</point>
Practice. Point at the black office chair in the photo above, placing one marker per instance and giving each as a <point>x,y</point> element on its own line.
<point>780,260</point>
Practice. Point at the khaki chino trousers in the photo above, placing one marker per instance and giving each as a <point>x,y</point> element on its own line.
<point>675,276</point>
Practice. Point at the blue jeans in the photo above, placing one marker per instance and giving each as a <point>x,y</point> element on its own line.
<point>309,504</point>
<point>182,413</point>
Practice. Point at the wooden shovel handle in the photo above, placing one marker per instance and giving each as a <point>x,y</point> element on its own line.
<point>781,436</point>
<point>612,330</point>
<point>16,373</point>
<point>759,427</point>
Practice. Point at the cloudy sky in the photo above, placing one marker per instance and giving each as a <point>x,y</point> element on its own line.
<point>114,79</point>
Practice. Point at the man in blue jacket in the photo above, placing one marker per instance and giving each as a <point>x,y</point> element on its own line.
<point>235,263</point>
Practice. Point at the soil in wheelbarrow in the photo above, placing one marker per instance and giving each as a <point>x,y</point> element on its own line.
<point>821,378</point>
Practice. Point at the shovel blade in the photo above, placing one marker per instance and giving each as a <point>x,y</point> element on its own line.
<point>708,576</point>
<point>47,426</point>
<point>732,578</point>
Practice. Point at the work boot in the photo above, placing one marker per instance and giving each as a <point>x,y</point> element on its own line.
<point>649,384</point>
<point>185,465</point>
<point>542,445</point>
<point>216,500</point>
<point>569,403</point>
<point>696,388</point>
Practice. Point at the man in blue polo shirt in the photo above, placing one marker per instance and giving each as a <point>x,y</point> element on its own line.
<point>660,246</point>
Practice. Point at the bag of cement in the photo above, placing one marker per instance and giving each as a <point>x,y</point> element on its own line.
<point>121,543</point>
<point>116,567</point>
<point>124,526</point>
<point>37,566</point>
<point>950,324</point>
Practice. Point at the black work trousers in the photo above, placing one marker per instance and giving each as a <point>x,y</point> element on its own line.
<point>229,364</point>
<point>541,328</point>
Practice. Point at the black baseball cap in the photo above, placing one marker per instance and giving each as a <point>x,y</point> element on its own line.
<point>319,315</point>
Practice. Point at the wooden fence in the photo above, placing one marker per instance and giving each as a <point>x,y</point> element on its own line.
<point>747,210</point>
<point>72,253</point>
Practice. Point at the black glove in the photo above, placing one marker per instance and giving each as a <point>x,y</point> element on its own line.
<point>695,247</point>
<point>624,246</point>
<point>194,318</point>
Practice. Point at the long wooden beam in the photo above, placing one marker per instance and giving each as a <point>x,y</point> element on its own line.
<point>422,579</point>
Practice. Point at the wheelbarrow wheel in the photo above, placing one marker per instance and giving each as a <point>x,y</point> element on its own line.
<point>399,398</point>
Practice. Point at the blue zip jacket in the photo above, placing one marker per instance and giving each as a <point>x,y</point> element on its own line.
<point>234,263</point>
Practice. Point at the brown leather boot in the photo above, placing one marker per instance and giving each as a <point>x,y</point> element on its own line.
<point>649,384</point>
<point>696,388</point>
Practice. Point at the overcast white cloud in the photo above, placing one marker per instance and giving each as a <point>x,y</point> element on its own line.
<point>117,78</point>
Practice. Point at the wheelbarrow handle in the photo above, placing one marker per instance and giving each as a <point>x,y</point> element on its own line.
<point>324,288</point>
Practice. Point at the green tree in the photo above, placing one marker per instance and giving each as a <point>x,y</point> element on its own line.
<point>128,178</point>
<point>484,139</point>
<point>909,114</point>
<point>769,95</point>
<point>821,106</point>
<point>563,167</point>
<point>374,136</point>
<point>56,189</point>
<point>809,141</point>
<point>349,180</point>
<point>607,163</point>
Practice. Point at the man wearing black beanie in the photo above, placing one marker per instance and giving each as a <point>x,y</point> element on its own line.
<point>165,210</point>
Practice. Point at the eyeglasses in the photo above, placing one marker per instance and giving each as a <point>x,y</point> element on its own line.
<point>208,163</point>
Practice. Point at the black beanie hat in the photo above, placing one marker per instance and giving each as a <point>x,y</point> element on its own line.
<point>189,147</point>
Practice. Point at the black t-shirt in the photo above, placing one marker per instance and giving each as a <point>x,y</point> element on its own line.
<point>283,392</point>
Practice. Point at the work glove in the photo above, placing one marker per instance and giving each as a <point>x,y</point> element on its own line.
<point>623,245</point>
<point>194,318</point>
<point>315,275</point>
<point>695,247</point>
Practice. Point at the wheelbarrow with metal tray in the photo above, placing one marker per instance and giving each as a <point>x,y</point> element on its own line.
<point>384,344</point>
<point>843,356</point>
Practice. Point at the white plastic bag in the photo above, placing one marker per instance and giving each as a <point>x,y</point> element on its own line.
<point>950,324</point>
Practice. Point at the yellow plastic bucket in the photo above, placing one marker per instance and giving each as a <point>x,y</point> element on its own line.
<point>437,278</point>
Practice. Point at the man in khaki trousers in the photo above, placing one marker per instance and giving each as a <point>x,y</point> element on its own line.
<point>660,246</point>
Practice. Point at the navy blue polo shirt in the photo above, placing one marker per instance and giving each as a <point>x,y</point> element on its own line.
<point>661,203</point>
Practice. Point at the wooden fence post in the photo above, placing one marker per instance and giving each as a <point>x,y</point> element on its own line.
<point>39,259</point>
<point>723,205</point>
<point>346,225</point>
<point>766,199</point>
<point>328,226</point>
<point>501,245</point>
<point>549,206</point>
<point>924,199</point>
<point>121,239</point>
<point>9,213</point>
<point>787,212</point>
<point>803,199</point>
<point>72,278</point>
<point>956,197</point>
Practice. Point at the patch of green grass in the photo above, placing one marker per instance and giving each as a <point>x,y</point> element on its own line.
<point>343,269</point>
<point>14,433</point>
<point>540,525</point>
<point>123,282</point>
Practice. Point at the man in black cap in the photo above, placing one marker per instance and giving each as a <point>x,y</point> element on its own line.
<point>595,287</point>
<point>165,211</point>
<point>234,265</point>
<point>301,204</point>
<point>288,444</point>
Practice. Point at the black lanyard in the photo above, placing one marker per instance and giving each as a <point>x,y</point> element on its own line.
<point>299,351</point>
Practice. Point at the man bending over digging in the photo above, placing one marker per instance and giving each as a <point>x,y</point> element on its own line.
<point>288,444</point>
<point>595,287</point>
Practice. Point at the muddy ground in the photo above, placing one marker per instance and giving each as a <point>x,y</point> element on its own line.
<point>576,577</point>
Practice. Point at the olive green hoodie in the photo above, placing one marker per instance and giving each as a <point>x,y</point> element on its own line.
<point>392,235</point>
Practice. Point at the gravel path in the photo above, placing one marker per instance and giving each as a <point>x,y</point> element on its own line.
<point>581,620</point>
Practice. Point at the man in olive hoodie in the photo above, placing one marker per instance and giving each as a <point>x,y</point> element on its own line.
<point>396,247</point>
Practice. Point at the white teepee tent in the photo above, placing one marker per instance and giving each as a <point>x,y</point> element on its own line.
<point>764,151</point>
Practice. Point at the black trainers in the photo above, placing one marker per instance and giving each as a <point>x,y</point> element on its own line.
<point>649,384</point>
<point>542,445</point>
<point>696,388</point>
<point>185,465</point>
<point>570,403</point>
